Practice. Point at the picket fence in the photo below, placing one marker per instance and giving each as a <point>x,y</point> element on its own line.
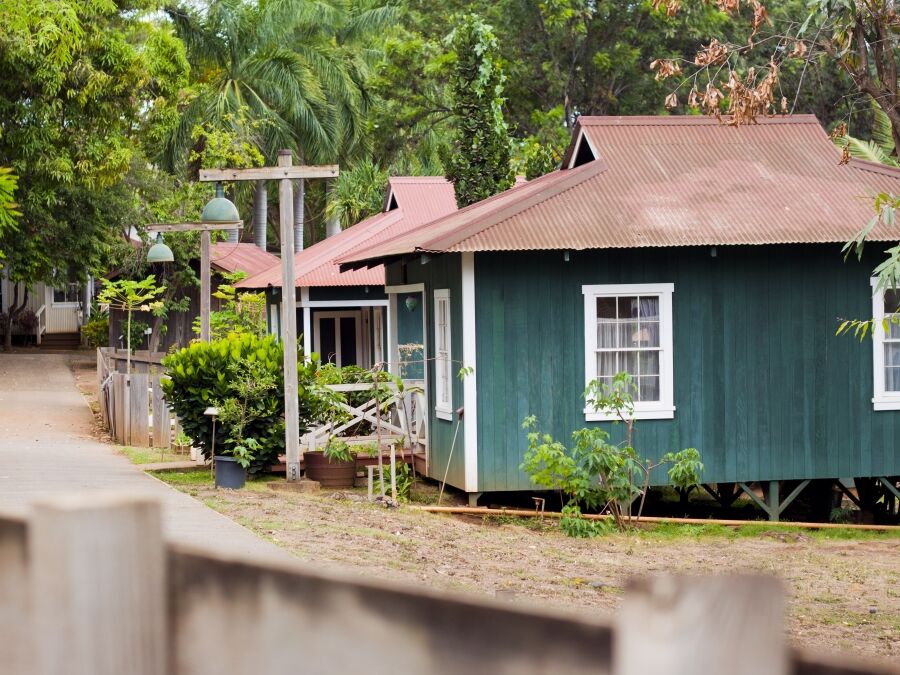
<point>132,406</point>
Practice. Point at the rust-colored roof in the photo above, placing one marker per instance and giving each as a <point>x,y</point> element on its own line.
<point>247,258</point>
<point>672,181</point>
<point>419,199</point>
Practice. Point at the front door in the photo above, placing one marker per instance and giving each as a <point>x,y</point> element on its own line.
<point>338,337</point>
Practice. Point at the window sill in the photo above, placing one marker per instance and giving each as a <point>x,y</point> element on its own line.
<point>444,414</point>
<point>886,403</point>
<point>65,305</point>
<point>660,413</point>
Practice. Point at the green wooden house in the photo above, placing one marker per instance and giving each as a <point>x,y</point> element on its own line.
<point>703,259</point>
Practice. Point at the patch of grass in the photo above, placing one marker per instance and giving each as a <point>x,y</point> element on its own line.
<point>760,529</point>
<point>193,477</point>
<point>153,455</point>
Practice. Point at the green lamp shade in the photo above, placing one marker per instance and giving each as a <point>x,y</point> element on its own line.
<point>159,252</point>
<point>219,210</point>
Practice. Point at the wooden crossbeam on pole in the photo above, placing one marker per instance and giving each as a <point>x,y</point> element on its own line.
<point>269,173</point>
<point>193,227</point>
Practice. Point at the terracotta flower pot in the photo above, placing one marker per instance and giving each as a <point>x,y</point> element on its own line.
<point>329,474</point>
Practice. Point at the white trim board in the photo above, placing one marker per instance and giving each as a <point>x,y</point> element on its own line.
<point>881,399</point>
<point>443,409</point>
<point>582,137</point>
<point>341,303</point>
<point>470,389</point>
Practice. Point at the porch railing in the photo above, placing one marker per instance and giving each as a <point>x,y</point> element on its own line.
<point>402,418</point>
<point>41,326</point>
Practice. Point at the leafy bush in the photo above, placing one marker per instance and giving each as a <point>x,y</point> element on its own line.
<point>382,483</point>
<point>242,376</point>
<point>96,331</point>
<point>241,312</point>
<point>338,450</point>
<point>574,524</point>
<point>27,321</point>
<point>597,473</point>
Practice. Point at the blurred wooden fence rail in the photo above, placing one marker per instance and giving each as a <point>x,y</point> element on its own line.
<point>132,407</point>
<point>89,587</point>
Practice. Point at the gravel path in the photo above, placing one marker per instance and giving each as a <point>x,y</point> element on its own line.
<point>46,448</point>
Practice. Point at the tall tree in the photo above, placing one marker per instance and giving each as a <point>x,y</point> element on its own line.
<point>288,73</point>
<point>81,79</point>
<point>478,161</point>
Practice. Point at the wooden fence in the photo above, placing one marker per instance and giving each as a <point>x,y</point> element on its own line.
<point>89,587</point>
<point>132,407</point>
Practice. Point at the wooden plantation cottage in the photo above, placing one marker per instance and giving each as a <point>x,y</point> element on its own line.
<point>703,259</point>
<point>346,317</point>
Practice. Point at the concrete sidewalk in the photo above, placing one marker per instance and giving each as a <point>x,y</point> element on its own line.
<point>46,448</point>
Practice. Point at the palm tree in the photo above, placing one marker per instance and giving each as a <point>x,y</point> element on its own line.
<point>881,148</point>
<point>291,72</point>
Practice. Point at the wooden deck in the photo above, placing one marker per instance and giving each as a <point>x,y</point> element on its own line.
<point>418,457</point>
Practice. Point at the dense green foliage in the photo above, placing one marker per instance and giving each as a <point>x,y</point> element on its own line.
<point>109,107</point>
<point>596,473</point>
<point>477,161</point>
<point>240,375</point>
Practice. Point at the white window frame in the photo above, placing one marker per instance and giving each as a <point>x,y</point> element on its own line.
<point>64,303</point>
<point>881,399</point>
<point>664,409</point>
<point>443,365</point>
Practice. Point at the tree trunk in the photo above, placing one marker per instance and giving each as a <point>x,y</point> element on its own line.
<point>332,225</point>
<point>299,216</point>
<point>260,214</point>
<point>13,311</point>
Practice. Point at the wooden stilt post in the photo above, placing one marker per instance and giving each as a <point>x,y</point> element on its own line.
<point>772,499</point>
<point>289,320</point>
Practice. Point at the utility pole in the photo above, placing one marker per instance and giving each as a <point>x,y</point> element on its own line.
<point>285,173</point>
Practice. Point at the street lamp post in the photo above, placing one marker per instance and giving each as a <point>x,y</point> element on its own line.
<point>218,214</point>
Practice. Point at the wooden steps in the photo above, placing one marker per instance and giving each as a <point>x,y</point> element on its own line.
<point>60,341</point>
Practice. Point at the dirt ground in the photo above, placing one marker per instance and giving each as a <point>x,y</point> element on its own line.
<point>844,593</point>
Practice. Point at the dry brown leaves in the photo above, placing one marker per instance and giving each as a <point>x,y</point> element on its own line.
<point>665,68</point>
<point>713,54</point>
<point>729,6</point>
<point>671,6</point>
<point>749,99</point>
<point>799,50</point>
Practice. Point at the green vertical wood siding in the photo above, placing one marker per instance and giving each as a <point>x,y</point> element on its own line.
<point>443,271</point>
<point>763,387</point>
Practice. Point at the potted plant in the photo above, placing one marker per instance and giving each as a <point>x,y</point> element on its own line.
<point>335,466</point>
<point>231,468</point>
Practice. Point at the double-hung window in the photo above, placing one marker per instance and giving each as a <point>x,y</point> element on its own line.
<point>628,328</point>
<point>443,366</point>
<point>886,347</point>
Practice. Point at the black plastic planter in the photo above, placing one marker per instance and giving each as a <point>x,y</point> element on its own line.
<point>229,474</point>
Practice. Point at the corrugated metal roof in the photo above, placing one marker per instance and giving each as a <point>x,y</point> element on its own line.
<point>419,200</point>
<point>247,258</point>
<point>673,181</point>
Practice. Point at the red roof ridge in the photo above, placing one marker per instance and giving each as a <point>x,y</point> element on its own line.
<point>874,167</point>
<point>686,120</point>
<point>417,179</point>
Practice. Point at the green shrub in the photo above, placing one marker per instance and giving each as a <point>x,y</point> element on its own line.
<point>242,376</point>
<point>338,450</point>
<point>403,478</point>
<point>96,331</point>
